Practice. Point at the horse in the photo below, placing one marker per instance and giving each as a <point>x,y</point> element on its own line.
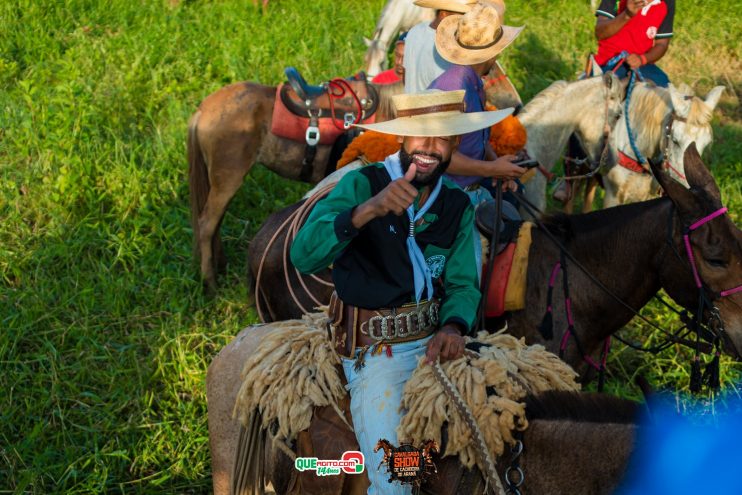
<point>588,108</point>
<point>396,16</point>
<point>230,131</point>
<point>664,123</point>
<point>634,250</point>
<point>602,426</point>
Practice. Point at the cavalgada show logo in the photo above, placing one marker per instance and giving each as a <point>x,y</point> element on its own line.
<point>351,462</point>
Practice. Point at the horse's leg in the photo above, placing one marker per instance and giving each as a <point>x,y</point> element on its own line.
<point>222,384</point>
<point>590,188</point>
<point>230,156</point>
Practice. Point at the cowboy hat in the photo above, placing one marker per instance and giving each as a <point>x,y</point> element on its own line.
<point>476,36</point>
<point>460,6</point>
<point>435,113</point>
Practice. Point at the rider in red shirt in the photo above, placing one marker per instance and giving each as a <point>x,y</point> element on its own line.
<point>642,28</point>
<point>396,73</point>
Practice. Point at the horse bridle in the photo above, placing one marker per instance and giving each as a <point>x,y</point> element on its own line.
<point>667,138</point>
<point>715,326</point>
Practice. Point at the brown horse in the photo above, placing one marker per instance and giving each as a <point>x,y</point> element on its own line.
<point>228,134</point>
<point>597,432</point>
<point>635,250</point>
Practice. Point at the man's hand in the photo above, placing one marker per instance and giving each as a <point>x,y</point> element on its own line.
<point>634,6</point>
<point>446,343</point>
<point>395,198</point>
<point>634,61</point>
<point>503,168</point>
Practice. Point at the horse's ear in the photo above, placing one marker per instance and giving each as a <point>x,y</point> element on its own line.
<point>680,103</point>
<point>712,99</point>
<point>677,192</point>
<point>697,174</point>
<point>367,41</point>
<point>597,71</point>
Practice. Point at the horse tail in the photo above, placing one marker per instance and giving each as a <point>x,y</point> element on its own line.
<point>198,179</point>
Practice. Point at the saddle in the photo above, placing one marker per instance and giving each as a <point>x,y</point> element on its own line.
<point>506,291</point>
<point>319,114</point>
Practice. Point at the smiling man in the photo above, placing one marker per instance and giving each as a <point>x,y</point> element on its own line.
<point>399,237</point>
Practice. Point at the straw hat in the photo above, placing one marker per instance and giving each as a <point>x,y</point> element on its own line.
<point>461,6</point>
<point>435,113</point>
<point>476,36</point>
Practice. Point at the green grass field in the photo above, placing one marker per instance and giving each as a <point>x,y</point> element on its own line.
<point>105,335</point>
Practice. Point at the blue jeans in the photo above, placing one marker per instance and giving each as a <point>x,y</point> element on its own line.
<point>375,401</point>
<point>650,72</point>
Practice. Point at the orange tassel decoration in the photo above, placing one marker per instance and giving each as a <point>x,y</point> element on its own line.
<point>374,146</point>
<point>508,136</point>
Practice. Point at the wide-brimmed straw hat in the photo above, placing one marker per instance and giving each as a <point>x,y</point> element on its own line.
<point>435,113</point>
<point>476,36</point>
<point>461,6</point>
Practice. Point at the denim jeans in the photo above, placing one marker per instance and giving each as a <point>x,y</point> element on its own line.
<point>650,72</point>
<point>375,401</point>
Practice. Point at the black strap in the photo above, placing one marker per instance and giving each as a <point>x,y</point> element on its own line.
<point>491,255</point>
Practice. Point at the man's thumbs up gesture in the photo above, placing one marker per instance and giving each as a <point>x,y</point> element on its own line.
<point>394,198</point>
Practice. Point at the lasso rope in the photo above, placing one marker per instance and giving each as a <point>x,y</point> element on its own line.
<point>291,226</point>
<point>480,446</point>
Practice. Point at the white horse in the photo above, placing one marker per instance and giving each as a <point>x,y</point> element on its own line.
<point>665,122</point>
<point>397,16</point>
<point>583,107</point>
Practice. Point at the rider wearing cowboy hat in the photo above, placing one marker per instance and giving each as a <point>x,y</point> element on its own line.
<point>399,237</point>
<point>421,60</point>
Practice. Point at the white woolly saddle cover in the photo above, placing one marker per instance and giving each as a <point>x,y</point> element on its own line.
<point>294,369</point>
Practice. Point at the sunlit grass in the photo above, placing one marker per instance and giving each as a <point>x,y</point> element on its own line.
<point>106,334</point>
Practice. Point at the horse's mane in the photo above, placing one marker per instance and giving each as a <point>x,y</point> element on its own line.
<point>650,104</point>
<point>567,227</point>
<point>580,407</point>
<point>545,97</point>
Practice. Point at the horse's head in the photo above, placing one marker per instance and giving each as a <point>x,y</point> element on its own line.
<point>690,122</point>
<point>716,246</point>
<point>375,58</point>
<point>665,122</point>
<point>597,122</point>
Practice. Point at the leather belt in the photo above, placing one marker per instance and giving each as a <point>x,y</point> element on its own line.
<point>351,327</point>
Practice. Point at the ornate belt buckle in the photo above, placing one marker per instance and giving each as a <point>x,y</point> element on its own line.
<point>372,327</point>
<point>400,332</point>
<point>433,314</point>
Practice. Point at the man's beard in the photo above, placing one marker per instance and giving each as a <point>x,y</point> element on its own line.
<point>406,160</point>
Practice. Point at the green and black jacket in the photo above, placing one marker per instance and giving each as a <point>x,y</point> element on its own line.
<point>371,266</point>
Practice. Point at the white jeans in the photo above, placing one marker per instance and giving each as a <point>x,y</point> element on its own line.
<point>375,399</point>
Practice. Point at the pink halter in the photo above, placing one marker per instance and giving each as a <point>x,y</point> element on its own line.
<point>691,258</point>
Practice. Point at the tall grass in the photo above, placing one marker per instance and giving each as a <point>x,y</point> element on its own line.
<point>106,335</point>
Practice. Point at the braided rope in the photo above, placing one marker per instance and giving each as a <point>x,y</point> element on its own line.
<point>479,443</point>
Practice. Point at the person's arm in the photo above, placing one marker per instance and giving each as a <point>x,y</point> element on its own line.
<point>500,168</point>
<point>651,56</point>
<point>609,22</point>
<point>329,228</point>
<point>460,278</point>
<point>337,219</point>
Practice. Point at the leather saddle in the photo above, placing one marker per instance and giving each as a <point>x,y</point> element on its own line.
<point>344,96</point>
<point>484,217</point>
